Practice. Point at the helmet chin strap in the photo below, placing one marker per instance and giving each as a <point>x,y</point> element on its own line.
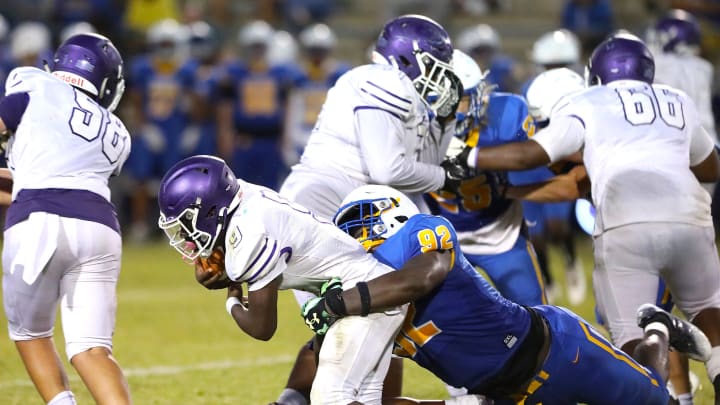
<point>224,217</point>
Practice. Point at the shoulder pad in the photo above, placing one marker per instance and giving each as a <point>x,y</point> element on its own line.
<point>509,120</point>
<point>386,88</point>
<point>25,79</point>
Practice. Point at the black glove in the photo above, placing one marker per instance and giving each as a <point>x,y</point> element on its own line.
<point>456,170</point>
<point>446,112</point>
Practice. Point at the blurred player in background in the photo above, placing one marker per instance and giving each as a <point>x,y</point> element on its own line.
<point>482,42</point>
<point>253,101</point>
<point>552,222</point>
<point>674,41</point>
<point>30,44</point>
<point>321,71</point>
<point>62,239</point>
<point>270,243</point>
<point>467,334</point>
<point>80,27</point>
<point>378,126</point>
<point>5,64</point>
<point>490,226</point>
<point>645,153</point>
<point>159,100</point>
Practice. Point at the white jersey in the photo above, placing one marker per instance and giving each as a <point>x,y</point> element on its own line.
<point>89,143</point>
<point>268,236</point>
<point>693,75</point>
<point>375,129</point>
<point>639,144</point>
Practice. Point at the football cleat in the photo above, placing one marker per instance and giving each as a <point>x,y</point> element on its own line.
<point>684,336</point>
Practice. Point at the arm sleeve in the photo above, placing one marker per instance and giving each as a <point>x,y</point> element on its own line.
<point>380,134</point>
<point>701,144</point>
<point>564,136</point>
<point>12,108</point>
<point>257,260</point>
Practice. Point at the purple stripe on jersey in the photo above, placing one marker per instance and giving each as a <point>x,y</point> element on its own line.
<point>388,92</point>
<point>288,250</point>
<point>385,101</point>
<point>79,204</point>
<point>254,260</point>
<point>579,119</point>
<point>12,108</point>
<point>367,107</point>
<point>270,256</point>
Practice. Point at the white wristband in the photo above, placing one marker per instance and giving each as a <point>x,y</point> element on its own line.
<point>230,303</point>
<point>472,158</point>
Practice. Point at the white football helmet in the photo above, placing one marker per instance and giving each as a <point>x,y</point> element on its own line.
<point>474,87</point>
<point>29,38</point>
<point>283,49</point>
<point>373,213</point>
<point>481,35</point>
<point>256,32</point>
<point>548,88</point>
<point>168,39</point>
<point>80,27</point>
<point>4,28</point>
<point>318,36</point>
<point>559,47</point>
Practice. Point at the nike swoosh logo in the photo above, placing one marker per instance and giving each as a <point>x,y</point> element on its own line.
<point>577,356</point>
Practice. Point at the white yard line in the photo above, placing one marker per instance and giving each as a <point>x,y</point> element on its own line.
<point>155,371</point>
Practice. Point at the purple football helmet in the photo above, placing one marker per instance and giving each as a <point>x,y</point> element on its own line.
<point>90,62</point>
<point>195,197</point>
<point>678,32</point>
<point>420,48</point>
<point>623,56</point>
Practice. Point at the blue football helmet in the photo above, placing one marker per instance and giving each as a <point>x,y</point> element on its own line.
<point>91,63</point>
<point>677,32</point>
<point>623,56</point>
<point>196,197</point>
<point>420,48</point>
<point>373,213</point>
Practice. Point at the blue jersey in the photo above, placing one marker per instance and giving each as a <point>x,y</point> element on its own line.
<point>259,97</point>
<point>463,331</point>
<point>480,200</point>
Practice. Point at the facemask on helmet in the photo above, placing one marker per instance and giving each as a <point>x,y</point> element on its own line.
<point>196,197</point>
<point>373,213</point>
<point>420,48</point>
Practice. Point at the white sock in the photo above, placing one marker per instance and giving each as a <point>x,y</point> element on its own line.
<point>713,365</point>
<point>455,391</point>
<point>290,396</point>
<point>63,398</point>
<point>657,326</point>
<point>685,399</point>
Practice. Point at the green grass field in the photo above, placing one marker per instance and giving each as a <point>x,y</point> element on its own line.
<point>178,346</point>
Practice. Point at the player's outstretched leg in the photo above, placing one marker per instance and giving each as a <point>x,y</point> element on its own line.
<point>682,335</point>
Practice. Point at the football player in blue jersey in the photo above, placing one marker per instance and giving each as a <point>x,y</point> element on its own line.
<point>463,331</point>
<point>158,87</point>
<point>253,98</point>
<point>491,226</point>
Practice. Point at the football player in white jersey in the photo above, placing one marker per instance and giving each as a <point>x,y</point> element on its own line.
<point>387,123</point>
<point>674,41</point>
<point>271,243</point>
<point>646,154</point>
<point>62,238</point>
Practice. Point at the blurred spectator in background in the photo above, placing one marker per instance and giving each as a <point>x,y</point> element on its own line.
<point>482,42</point>
<point>301,13</point>
<point>157,90</point>
<point>80,27</point>
<point>553,222</point>
<point>5,64</point>
<point>30,45</point>
<point>590,20</point>
<point>321,71</point>
<point>250,114</point>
